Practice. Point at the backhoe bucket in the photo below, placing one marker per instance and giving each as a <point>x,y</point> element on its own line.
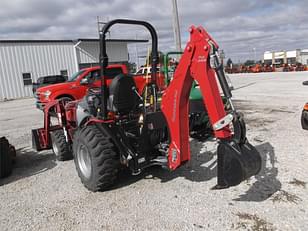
<point>236,162</point>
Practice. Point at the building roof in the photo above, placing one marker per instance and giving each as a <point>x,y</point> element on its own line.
<point>114,40</point>
<point>70,40</point>
<point>34,41</point>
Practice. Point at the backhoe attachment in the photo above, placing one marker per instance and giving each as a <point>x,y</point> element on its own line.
<point>237,159</point>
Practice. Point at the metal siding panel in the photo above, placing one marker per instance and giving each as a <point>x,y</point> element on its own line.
<point>32,61</point>
<point>117,51</point>
<point>4,77</point>
<point>70,56</point>
<point>2,85</point>
<point>90,48</point>
<point>4,73</point>
<point>71,65</point>
<point>46,66</point>
<point>25,69</point>
<point>17,65</point>
<point>7,73</point>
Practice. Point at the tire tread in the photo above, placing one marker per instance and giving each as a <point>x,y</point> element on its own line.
<point>6,158</point>
<point>104,157</point>
<point>65,152</point>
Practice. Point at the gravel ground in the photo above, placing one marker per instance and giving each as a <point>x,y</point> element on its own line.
<point>43,194</point>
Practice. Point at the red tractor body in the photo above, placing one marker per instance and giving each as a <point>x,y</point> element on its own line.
<point>116,125</point>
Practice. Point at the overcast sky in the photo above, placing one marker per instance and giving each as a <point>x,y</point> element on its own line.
<point>238,26</point>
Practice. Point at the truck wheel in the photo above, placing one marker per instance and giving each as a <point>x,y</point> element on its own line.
<point>96,158</point>
<point>60,147</point>
<point>65,99</point>
<point>5,158</point>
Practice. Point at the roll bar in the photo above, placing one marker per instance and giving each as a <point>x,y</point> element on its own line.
<point>103,57</point>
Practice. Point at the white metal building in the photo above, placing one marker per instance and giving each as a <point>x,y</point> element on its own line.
<point>304,56</point>
<point>290,57</point>
<point>24,61</point>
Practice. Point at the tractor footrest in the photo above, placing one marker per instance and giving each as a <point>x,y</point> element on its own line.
<point>161,161</point>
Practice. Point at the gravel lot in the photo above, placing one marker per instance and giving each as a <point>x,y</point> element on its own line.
<point>43,194</point>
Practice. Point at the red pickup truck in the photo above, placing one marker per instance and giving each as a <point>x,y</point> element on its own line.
<point>77,85</point>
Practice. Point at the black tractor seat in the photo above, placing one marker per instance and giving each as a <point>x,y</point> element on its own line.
<point>122,96</point>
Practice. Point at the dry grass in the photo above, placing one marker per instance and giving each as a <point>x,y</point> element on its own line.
<point>297,182</point>
<point>284,196</point>
<point>253,222</point>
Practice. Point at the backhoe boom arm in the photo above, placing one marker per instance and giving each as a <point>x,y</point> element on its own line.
<point>194,65</point>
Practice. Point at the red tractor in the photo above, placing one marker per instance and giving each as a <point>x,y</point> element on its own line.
<point>114,126</point>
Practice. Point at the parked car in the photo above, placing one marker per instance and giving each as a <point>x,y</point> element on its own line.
<point>78,84</point>
<point>47,80</point>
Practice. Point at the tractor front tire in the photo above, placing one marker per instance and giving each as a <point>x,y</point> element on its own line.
<point>60,147</point>
<point>6,158</point>
<point>96,158</point>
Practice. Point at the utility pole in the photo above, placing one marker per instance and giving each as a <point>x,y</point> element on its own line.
<point>255,53</point>
<point>99,23</point>
<point>176,26</point>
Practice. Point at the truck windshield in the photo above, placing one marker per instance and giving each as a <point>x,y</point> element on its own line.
<point>75,76</point>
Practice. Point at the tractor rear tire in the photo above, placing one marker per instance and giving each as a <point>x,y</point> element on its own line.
<point>6,158</point>
<point>60,147</point>
<point>96,158</point>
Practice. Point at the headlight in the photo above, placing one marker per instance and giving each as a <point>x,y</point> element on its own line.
<point>46,93</point>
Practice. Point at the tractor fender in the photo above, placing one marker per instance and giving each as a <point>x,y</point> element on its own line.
<point>82,113</point>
